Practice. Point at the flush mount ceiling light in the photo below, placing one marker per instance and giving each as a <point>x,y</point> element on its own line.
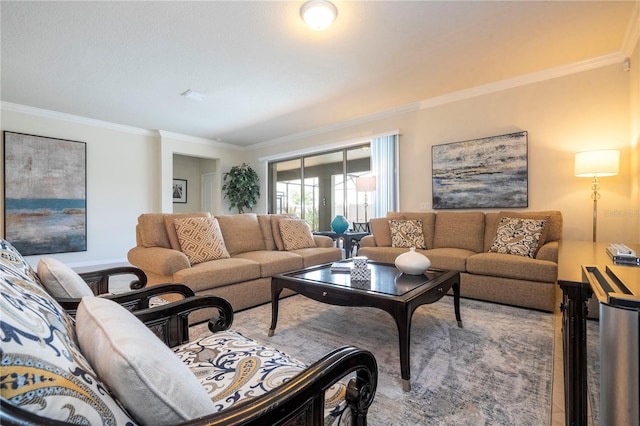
<point>318,14</point>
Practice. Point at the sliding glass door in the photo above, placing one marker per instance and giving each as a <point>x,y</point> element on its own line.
<point>318,187</point>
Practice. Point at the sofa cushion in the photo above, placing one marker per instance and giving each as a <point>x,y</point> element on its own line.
<point>170,228</point>
<point>60,280</point>
<point>318,255</point>
<point>267,233</point>
<point>52,377</point>
<point>406,233</point>
<point>275,228</point>
<point>428,223</point>
<point>273,261</point>
<point>200,239</point>
<point>146,376</point>
<point>296,234</point>
<point>152,230</point>
<point>208,275</point>
<point>454,259</point>
<point>514,267</point>
<point>241,232</point>
<point>519,236</point>
<point>381,231</point>
<point>459,230</point>
<point>250,370</point>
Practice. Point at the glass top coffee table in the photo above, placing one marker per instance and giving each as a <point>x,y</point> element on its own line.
<point>389,289</point>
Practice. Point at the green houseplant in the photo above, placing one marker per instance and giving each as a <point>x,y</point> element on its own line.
<point>242,187</point>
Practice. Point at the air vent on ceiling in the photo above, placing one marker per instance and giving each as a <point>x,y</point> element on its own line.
<point>192,94</point>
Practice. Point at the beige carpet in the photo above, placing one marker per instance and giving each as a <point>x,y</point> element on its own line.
<point>497,370</point>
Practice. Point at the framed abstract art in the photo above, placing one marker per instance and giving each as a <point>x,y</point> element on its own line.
<point>45,194</point>
<point>481,173</point>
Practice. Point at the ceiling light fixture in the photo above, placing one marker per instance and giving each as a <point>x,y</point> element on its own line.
<point>318,14</point>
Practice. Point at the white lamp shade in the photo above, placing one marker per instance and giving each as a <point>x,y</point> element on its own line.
<point>365,183</point>
<point>318,14</point>
<point>597,163</point>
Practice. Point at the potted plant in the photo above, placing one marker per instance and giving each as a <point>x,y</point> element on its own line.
<point>241,187</point>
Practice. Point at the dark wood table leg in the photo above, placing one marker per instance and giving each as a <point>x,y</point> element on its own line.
<point>403,322</point>
<point>456,303</point>
<point>275,299</point>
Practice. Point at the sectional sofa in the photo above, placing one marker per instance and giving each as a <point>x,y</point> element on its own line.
<point>231,256</point>
<point>495,252</point>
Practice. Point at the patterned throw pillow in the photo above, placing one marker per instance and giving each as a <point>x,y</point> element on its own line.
<point>296,234</point>
<point>201,239</point>
<point>406,233</point>
<point>519,236</point>
<point>12,262</point>
<point>43,369</point>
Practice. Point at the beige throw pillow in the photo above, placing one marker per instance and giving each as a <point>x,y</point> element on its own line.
<point>519,236</point>
<point>200,239</point>
<point>406,233</point>
<point>296,234</point>
<point>144,374</point>
<point>61,281</point>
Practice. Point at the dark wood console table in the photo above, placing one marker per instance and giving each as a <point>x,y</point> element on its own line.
<point>575,259</point>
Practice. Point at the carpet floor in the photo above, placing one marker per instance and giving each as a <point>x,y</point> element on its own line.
<point>497,370</point>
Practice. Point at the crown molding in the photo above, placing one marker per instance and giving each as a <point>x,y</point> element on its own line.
<point>631,38</point>
<point>76,119</point>
<point>523,80</point>
<point>632,34</point>
<point>337,126</point>
<point>202,141</point>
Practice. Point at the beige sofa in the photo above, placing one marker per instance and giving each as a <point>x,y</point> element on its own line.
<point>461,241</point>
<point>256,252</point>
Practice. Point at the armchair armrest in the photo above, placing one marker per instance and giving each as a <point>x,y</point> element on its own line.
<point>301,399</point>
<point>98,280</point>
<point>170,322</point>
<point>132,300</point>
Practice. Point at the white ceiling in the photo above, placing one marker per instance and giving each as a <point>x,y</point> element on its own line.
<point>267,75</point>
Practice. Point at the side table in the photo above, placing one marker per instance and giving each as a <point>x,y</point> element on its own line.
<point>347,237</point>
<point>619,379</point>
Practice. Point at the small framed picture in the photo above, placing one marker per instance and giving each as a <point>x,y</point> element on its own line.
<point>179,190</point>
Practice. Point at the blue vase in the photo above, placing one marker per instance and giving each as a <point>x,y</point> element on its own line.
<point>339,224</point>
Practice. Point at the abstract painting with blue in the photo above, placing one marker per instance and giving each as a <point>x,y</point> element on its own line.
<point>481,173</point>
<point>45,194</point>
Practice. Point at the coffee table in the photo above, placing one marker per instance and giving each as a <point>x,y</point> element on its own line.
<point>389,289</point>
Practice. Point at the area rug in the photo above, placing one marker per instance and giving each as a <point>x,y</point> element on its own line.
<point>497,370</point>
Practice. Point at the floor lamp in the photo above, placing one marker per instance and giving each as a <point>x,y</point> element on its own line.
<point>596,164</point>
<point>365,184</point>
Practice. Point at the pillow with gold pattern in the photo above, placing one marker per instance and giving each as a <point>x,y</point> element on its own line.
<point>406,233</point>
<point>201,239</point>
<point>296,234</point>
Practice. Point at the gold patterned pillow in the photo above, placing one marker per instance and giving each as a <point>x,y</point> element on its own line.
<point>406,233</point>
<point>296,234</point>
<point>201,239</point>
<point>519,236</point>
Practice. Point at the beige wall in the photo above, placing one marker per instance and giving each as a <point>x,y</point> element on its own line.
<point>578,112</point>
<point>129,172</point>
